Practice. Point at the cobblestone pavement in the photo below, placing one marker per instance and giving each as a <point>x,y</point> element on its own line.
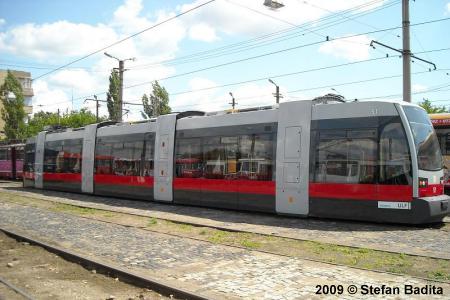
<point>219,272</point>
<point>424,241</point>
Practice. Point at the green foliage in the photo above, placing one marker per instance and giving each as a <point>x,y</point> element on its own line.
<point>157,103</point>
<point>112,97</point>
<point>431,109</point>
<point>13,107</point>
<point>73,119</point>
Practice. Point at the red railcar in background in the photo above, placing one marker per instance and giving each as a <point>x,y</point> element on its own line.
<point>11,160</point>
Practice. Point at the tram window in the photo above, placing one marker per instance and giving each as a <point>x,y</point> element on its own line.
<point>395,166</point>
<point>220,157</point>
<point>189,158</point>
<point>249,157</point>
<point>103,157</point>
<point>149,155</point>
<point>446,145</point>
<point>51,152</point>
<point>127,158</point>
<point>19,153</point>
<point>3,154</point>
<point>256,156</point>
<point>63,156</point>
<point>28,165</point>
<point>346,159</point>
<point>72,152</point>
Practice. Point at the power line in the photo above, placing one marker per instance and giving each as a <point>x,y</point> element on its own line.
<point>436,89</point>
<point>305,71</point>
<point>333,85</point>
<point>281,51</point>
<point>126,38</point>
<point>240,46</point>
<point>265,78</point>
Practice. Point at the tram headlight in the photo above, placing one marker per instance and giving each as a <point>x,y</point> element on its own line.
<point>423,182</point>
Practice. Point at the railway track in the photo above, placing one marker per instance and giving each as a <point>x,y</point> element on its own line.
<point>101,267</point>
<point>15,289</point>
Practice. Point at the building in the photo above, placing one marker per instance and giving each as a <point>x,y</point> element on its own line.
<point>25,80</point>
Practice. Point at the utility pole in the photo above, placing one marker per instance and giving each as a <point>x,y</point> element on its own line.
<point>406,52</point>
<point>121,70</point>
<point>97,105</point>
<point>96,108</point>
<point>233,101</point>
<point>277,91</point>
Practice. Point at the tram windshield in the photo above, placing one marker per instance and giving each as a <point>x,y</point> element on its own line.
<point>427,145</point>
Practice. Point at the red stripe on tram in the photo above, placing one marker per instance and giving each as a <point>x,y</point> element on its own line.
<point>225,185</point>
<point>146,181</point>
<point>361,191</point>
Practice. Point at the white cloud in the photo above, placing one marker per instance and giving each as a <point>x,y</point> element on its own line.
<point>162,42</point>
<point>234,17</point>
<point>62,41</point>
<point>55,40</point>
<point>202,32</point>
<point>448,8</point>
<point>415,88</point>
<point>2,21</point>
<point>77,79</point>
<point>201,100</point>
<point>48,99</point>
<point>352,48</point>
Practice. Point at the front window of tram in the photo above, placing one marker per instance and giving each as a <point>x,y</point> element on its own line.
<point>427,145</point>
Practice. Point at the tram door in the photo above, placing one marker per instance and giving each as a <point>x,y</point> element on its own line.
<point>39,160</point>
<point>294,121</point>
<point>165,139</point>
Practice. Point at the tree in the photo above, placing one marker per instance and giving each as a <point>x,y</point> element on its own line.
<point>157,103</point>
<point>426,104</point>
<point>112,97</point>
<point>13,112</point>
<point>73,119</point>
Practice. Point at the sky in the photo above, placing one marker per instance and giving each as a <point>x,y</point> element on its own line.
<point>309,48</point>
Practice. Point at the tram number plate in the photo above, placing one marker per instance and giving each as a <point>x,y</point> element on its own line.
<point>394,205</point>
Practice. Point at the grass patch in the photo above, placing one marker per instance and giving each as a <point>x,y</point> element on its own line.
<point>250,244</point>
<point>152,222</point>
<point>61,207</point>
<point>185,227</point>
<point>439,275</point>
<point>219,237</point>
<point>108,214</point>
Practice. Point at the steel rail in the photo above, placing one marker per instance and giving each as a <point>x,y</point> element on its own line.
<point>16,289</point>
<point>110,270</point>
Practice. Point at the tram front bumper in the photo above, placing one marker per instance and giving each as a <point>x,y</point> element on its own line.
<point>431,209</point>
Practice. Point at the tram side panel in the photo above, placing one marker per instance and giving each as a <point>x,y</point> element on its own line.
<point>63,161</point>
<point>124,161</point>
<point>361,166</point>
<point>227,161</point>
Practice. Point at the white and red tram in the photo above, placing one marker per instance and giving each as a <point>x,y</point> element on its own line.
<point>371,161</point>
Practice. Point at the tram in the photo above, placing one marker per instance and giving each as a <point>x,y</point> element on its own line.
<point>441,124</point>
<point>11,160</point>
<point>373,161</point>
